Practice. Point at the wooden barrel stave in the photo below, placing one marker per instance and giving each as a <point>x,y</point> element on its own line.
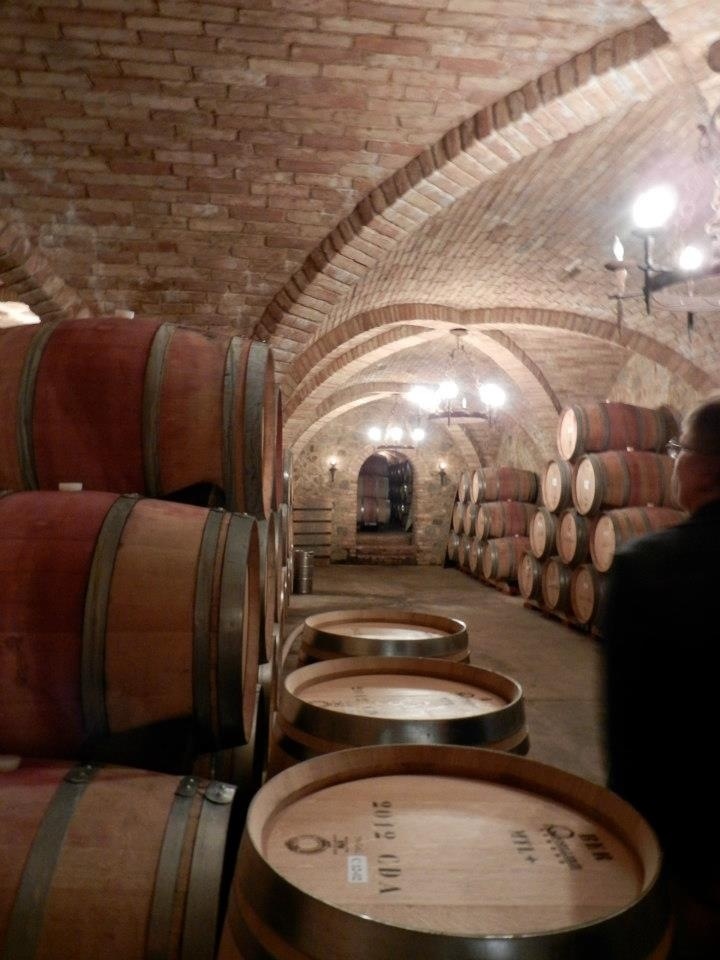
<point>154,626</point>
<point>113,863</point>
<point>185,411</point>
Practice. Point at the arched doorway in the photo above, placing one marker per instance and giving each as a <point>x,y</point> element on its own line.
<point>384,509</point>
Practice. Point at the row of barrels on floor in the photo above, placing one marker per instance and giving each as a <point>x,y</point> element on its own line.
<point>195,891</point>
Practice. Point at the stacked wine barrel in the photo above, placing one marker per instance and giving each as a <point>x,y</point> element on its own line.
<point>401,490</point>
<point>611,482</point>
<point>373,499</point>
<point>144,551</point>
<point>491,515</point>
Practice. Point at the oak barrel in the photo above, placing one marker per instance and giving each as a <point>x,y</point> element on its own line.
<point>573,535</point>
<point>477,546</point>
<point>373,510</point>
<point>556,485</point>
<point>555,582</point>
<point>619,478</point>
<point>529,576</point>
<point>185,410</point>
<point>615,527</point>
<point>464,487</point>
<point>435,852</point>
<point>501,557</point>
<point>269,570</point>
<point>584,428</point>
<point>506,483</point>
<point>587,593</point>
<point>469,518</point>
<point>113,863</point>
<point>542,533</point>
<point>503,518</point>
<point>152,627</point>
<point>379,632</point>
<point>453,546</point>
<point>360,701</point>
<point>458,516</point>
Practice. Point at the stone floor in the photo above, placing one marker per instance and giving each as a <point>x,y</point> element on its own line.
<point>557,666</point>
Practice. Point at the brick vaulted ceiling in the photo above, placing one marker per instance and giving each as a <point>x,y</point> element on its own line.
<point>349,180</point>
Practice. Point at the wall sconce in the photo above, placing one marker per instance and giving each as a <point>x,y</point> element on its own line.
<point>332,467</point>
<point>442,472</point>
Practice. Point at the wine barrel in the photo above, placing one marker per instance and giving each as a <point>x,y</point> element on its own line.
<point>557,484</point>
<point>501,557</point>
<point>555,582</point>
<point>543,533</point>
<point>373,510</point>
<point>529,576</point>
<point>503,518</point>
<point>458,516</point>
<point>184,410</point>
<point>379,632</point>
<point>463,488</point>
<point>361,701</point>
<point>152,630</point>
<point>585,428</point>
<point>568,869</point>
<point>287,479</point>
<point>268,567</point>
<point>615,527</point>
<point>373,485</point>
<point>618,478</point>
<point>453,546</point>
<point>477,546</point>
<point>587,593</point>
<point>469,518</point>
<point>506,483</point>
<point>573,534</point>
<point>114,863</point>
<point>464,552</point>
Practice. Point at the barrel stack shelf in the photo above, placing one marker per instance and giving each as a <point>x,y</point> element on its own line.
<point>610,482</point>
<point>489,524</point>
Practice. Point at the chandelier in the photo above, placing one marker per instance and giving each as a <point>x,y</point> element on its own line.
<point>399,432</point>
<point>692,284</point>
<point>450,400</point>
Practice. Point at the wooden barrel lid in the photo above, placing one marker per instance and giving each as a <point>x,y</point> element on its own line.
<point>437,852</point>
<point>604,543</point>
<point>585,488</point>
<point>357,701</point>
<point>383,632</point>
<point>567,433</point>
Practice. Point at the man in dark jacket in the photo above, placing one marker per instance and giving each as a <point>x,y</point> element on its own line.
<point>662,690</point>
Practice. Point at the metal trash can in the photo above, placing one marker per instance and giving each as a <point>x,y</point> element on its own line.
<point>302,571</point>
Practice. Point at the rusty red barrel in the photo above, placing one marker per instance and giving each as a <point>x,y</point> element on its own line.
<point>443,851</point>
<point>584,428</point>
<point>112,863</point>
<point>623,478</point>
<point>138,407</point>
<point>123,615</point>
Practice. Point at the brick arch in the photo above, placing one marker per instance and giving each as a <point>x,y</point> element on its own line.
<point>634,65</point>
<point>440,316</point>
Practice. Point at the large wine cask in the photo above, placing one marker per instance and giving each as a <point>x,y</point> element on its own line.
<point>503,518</point>
<point>501,557</point>
<point>585,428</point>
<point>506,483</point>
<point>453,546</point>
<point>435,852</point>
<point>556,485</point>
<point>587,593</point>
<point>112,863</point>
<point>529,576</point>
<point>138,407</point>
<point>623,478</point>
<point>616,527</point>
<point>379,632</point>
<point>555,583</point>
<point>125,619</point>
<point>542,533</point>
<point>361,701</point>
<point>477,546</point>
<point>573,535</point>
